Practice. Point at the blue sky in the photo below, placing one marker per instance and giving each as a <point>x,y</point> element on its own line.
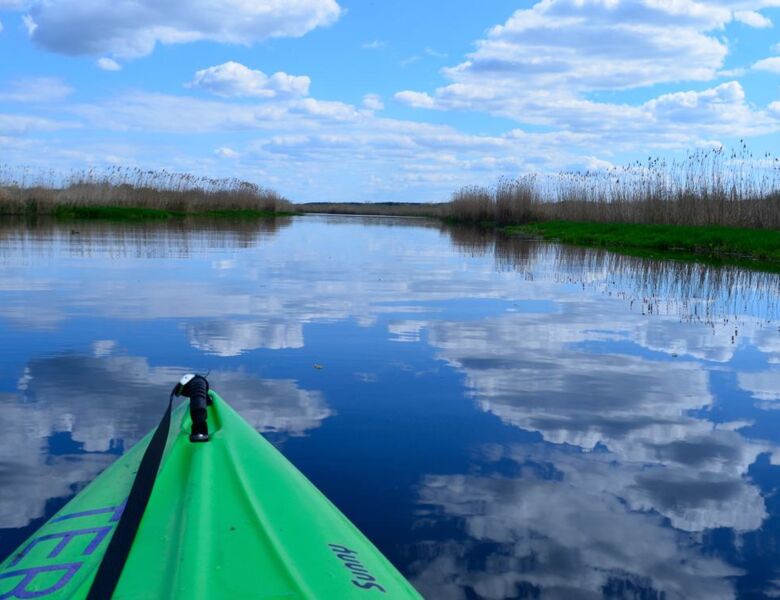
<point>369,101</point>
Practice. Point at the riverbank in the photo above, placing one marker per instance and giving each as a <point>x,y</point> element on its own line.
<point>384,209</point>
<point>750,247</point>
<point>135,194</point>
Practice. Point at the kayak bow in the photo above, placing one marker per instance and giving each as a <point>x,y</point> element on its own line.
<point>228,518</point>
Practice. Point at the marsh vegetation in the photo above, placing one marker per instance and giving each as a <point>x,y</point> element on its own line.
<point>708,187</point>
<point>712,202</point>
<point>121,193</point>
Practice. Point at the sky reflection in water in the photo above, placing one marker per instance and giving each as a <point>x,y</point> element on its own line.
<point>503,418</point>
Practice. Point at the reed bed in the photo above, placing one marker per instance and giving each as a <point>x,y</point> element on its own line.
<point>708,187</point>
<point>34,193</point>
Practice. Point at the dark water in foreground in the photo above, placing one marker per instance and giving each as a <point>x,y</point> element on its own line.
<point>504,419</point>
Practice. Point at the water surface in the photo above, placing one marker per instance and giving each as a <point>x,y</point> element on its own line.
<point>503,418</point>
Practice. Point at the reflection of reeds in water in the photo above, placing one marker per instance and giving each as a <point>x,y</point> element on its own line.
<point>691,291</point>
<point>476,241</point>
<point>153,239</point>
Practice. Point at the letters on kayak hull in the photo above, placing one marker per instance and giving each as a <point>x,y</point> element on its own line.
<point>230,518</point>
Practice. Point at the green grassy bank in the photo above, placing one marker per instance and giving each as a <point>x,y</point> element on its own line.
<point>727,244</point>
<point>129,213</point>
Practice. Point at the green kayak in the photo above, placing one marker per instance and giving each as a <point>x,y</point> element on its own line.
<point>228,518</point>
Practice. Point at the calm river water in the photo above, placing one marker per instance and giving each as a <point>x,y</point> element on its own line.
<point>503,418</point>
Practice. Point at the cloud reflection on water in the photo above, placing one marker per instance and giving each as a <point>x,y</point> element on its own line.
<point>105,402</point>
<point>568,536</point>
<point>609,359</point>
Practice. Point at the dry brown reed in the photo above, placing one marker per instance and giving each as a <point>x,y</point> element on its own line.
<point>35,193</point>
<point>708,187</point>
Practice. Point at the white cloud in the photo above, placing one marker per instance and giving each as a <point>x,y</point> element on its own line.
<point>35,90</point>
<point>771,64</point>
<point>29,24</point>
<point>543,64</point>
<point>435,53</point>
<point>225,152</point>
<point>722,110</point>
<point>373,102</point>
<point>678,119</point>
<point>764,385</point>
<point>334,140</point>
<point>46,406</point>
<point>232,338</point>
<point>600,45</point>
<point>752,19</point>
<point>108,64</point>
<point>514,532</point>
<point>232,79</point>
<point>415,99</point>
<point>132,29</point>
<point>22,124</point>
<point>410,60</point>
<point>374,45</point>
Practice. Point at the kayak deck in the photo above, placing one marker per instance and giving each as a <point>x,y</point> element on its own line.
<point>230,518</point>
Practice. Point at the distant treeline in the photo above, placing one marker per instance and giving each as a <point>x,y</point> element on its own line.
<point>157,192</point>
<point>709,187</point>
<point>398,209</point>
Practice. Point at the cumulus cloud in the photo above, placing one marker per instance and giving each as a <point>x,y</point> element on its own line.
<point>35,89</point>
<point>752,19</point>
<point>675,119</point>
<point>771,64</point>
<point>232,79</point>
<point>515,534</point>
<point>373,102</point>
<point>232,338</point>
<point>48,404</point>
<point>763,385</point>
<point>305,134</point>
<point>601,45</point>
<point>108,64</point>
<point>542,65</point>
<point>415,99</point>
<point>225,152</point>
<point>132,29</point>
<point>720,110</point>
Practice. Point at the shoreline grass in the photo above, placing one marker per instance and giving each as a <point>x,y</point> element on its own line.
<point>714,205</point>
<point>743,246</point>
<point>135,194</point>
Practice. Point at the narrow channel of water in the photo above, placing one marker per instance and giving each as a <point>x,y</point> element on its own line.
<point>502,417</point>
